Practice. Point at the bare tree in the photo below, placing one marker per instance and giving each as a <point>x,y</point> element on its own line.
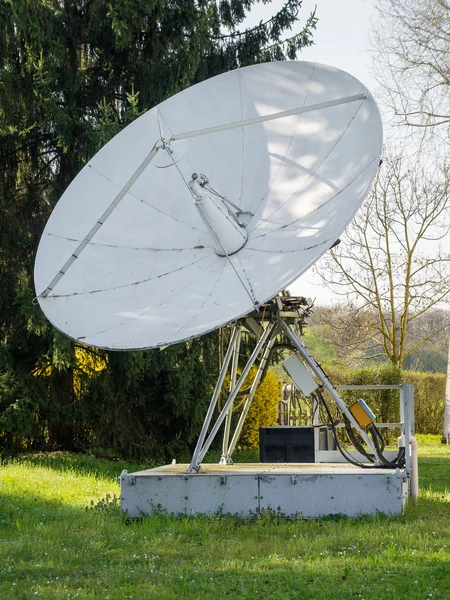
<point>346,328</point>
<point>412,45</point>
<point>390,265</point>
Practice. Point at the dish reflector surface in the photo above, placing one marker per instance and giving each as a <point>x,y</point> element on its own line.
<point>126,260</point>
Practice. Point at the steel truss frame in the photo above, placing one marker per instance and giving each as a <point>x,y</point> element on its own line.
<point>280,318</point>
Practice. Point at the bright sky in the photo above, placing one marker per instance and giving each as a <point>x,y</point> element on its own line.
<point>342,34</point>
<point>342,41</point>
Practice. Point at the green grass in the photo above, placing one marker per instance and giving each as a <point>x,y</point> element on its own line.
<point>62,536</point>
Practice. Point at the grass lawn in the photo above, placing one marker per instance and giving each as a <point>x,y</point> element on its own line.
<point>62,536</point>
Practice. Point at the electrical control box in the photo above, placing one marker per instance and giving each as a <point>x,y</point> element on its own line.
<point>362,413</point>
<point>300,375</point>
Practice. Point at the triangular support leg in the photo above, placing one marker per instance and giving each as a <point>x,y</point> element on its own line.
<point>281,321</point>
<point>228,451</point>
<point>203,445</point>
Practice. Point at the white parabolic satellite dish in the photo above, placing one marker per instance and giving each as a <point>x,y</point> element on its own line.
<point>138,256</point>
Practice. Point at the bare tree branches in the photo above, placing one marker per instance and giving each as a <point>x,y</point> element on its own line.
<point>412,41</point>
<point>390,263</point>
<point>413,59</point>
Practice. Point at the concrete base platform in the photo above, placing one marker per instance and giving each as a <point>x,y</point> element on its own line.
<point>304,490</point>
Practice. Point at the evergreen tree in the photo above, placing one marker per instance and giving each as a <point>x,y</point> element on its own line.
<point>72,74</point>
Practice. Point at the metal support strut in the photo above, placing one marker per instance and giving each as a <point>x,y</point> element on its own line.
<point>237,432</point>
<point>281,319</point>
<point>202,445</point>
<point>226,433</point>
<point>319,373</point>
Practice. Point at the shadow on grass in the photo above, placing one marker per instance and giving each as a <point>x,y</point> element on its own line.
<point>434,472</point>
<point>87,464</point>
<point>19,511</point>
<point>76,463</point>
<point>201,557</point>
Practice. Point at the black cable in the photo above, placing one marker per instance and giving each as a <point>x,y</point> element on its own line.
<point>356,441</point>
<point>376,436</point>
<point>344,453</point>
<point>399,460</point>
<point>379,444</point>
<point>380,437</point>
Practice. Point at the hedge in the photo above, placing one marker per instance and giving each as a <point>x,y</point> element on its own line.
<point>429,393</point>
<point>429,399</point>
<point>384,403</point>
